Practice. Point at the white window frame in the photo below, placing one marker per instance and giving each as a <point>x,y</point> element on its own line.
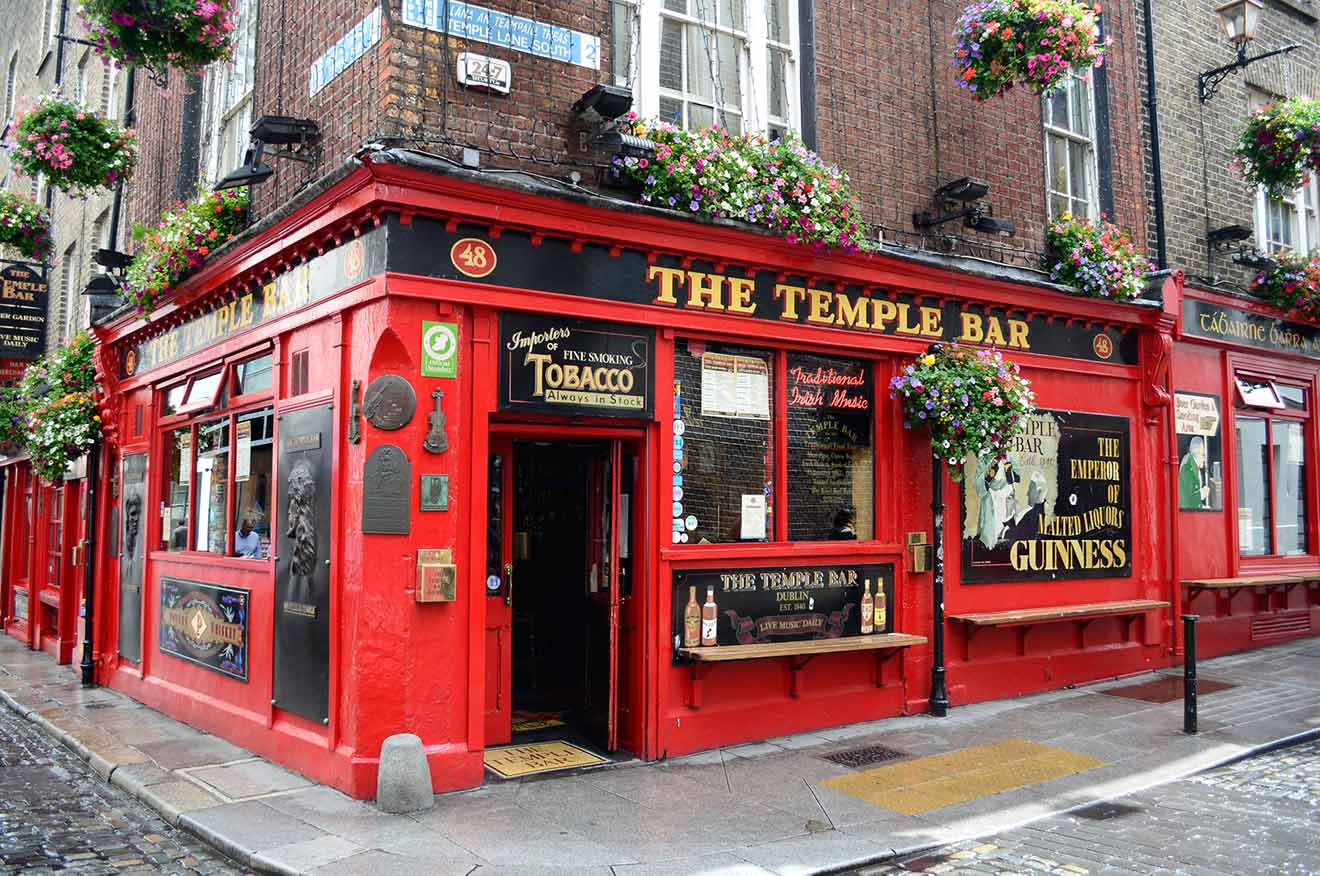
<point>72,294</point>
<point>52,22</point>
<point>643,66</point>
<point>1301,205</point>
<point>109,91</point>
<point>228,118</point>
<point>11,87</point>
<point>1087,81</point>
<point>82,84</point>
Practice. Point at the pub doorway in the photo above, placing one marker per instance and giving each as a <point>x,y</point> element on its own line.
<point>562,613</point>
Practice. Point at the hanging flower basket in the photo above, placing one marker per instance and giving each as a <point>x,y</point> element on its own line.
<point>24,225</point>
<point>183,240</point>
<point>779,185</point>
<point>62,423</point>
<point>969,401</point>
<point>1095,257</point>
<point>1292,285</point>
<point>188,34</point>
<point>1280,145</point>
<point>77,150</point>
<point>1002,43</point>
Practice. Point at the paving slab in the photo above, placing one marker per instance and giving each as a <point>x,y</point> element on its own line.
<point>241,830</point>
<point>250,779</point>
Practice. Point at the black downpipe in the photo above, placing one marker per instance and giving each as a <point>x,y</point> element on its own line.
<point>807,74</point>
<point>59,42</point>
<point>1153,117</point>
<point>89,563</point>
<point>190,144</point>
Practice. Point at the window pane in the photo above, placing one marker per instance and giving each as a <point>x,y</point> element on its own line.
<point>723,462</point>
<point>202,390</point>
<point>178,473</point>
<point>700,116</point>
<point>778,12</point>
<point>1079,154</point>
<point>1293,397</point>
<point>671,110</point>
<point>1058,148</point>
<point>671,55</point>
<point>730,69</point>
<point>831,474</point>
<point>778,83</point>
<point>700,52</point>
<point>1259,393</point>
<point>1253,487</point>
<point>733,13</point>
<point>1056,109</point>
<point>1079,93</point>
<point>676,5</point>
<point>625,16</point>
<point>174,398</point>
<point>1058,205</point>
<point>1290,486</point>
<point>212,474</point>
<point>254,375</point>
<point>253,464</point>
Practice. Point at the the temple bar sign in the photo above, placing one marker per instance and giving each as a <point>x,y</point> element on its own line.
<point>23,300</point>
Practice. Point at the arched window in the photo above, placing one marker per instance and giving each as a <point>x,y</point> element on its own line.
<point>11,84</point>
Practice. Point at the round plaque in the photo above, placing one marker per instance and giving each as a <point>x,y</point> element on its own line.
<point>389,402</point>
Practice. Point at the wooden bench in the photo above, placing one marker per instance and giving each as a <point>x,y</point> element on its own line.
<point>1085,613</point>
<point>1227,588</point>
<point>885,645</point>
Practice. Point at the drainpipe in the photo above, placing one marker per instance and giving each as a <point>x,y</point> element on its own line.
<point>89,563</point>
<point>1153,118</point>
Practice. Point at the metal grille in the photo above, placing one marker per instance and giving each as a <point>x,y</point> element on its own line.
<point>859,757</point>
<point>1281,625</point>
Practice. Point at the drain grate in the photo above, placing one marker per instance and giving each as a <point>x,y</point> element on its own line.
<point>1107,811</point>
<point>860,757</point>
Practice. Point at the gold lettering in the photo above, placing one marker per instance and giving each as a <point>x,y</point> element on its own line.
<point>790,295</point>
<point>1017,334</point>
<point>930,322</point>
<point>671,279</point>
<point>883,312</point>
<point>971,328</point>
<point>709,287</point>
<point>540,360</point>
<point>820,307</point>
<point>849,311</point>
<point>740,295</point>
<point>904,326</point>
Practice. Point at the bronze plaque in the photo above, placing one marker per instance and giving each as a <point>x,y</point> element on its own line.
<point>435,492</point>
<point>389,403</point>
<point>133,551</point>
<point>386,485</point>
<point>437,576</point>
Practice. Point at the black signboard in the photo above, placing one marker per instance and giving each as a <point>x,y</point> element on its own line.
<point>782,604</point>
<point>386,484</point>
<point>523,260</point>
<point>302,565</point>
<point>552,364</point>
<point>1060,508</point>
<point>133,542</point>
<point>313,280</point>
<point>830,412</point>
<point>1205,320</point>
<point>23,300</point>
<point>206,625</point>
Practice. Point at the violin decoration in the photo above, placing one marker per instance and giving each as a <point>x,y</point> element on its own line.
<point>436,441</point>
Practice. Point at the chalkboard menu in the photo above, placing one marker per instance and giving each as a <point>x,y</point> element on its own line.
<point>1058,508</point>
<point>831,474</point>
<point>779,604</point>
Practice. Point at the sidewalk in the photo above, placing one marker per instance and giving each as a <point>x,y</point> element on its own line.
<point>780,806</point>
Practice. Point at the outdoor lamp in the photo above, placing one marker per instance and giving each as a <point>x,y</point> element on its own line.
<point>300,137</point>
<point>1239,18</point>
<point>961,199</point>
<point>250,172</point>
<point>1222,239</point>
<point>606,101</point>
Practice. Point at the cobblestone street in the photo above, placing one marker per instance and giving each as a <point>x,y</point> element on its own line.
<point>56,815</point>
<point>1256,816</point>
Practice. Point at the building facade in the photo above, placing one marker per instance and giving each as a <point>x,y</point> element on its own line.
<point>457,440</point>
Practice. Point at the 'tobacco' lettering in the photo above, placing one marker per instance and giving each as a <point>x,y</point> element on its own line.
<point>552,375</point>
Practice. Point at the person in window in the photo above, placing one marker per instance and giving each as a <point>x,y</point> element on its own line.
<point>247,543</point>
<point>1193,485</point>
<point>179,537</point>
<point>844,519</point>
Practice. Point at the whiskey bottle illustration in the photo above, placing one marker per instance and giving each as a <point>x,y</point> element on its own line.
<point>881,616</point>
<point>867,607</point>
<point>708,618</point>
<point>692,620</point>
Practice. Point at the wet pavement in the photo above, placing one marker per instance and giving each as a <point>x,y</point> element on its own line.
<point>1260,815</point>
<point>58,816</point>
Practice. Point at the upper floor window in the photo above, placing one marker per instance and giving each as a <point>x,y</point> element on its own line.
<point>52,27</point>
<point>229,90</point>
<point>702,62</point>
<point>1289,223</point>
<point>1070,153</point>
<point>11,84</point>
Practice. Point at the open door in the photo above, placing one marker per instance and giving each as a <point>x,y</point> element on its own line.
<point>499,593</point>
<point>603,593</point>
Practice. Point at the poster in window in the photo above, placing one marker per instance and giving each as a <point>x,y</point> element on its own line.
<point>831,474</point>
<point>243,451</point>
<point>1059,507</point>
<point>1200,452</point>
<point>735,386</point>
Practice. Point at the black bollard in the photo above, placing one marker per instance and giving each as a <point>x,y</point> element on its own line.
<point>1189,672</point>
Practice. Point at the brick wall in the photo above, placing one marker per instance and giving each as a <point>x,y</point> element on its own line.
<point>1201,190</point>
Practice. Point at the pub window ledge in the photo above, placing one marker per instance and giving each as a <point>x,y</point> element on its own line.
<point>786,551</point>
<point>205,558</point>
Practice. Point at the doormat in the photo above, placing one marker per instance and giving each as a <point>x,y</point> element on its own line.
<point>916,786</point>
<point>524,720</point>
<point>1165,689</point>
<point>513,761</point>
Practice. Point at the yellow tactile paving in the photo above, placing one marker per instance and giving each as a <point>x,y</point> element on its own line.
<point>917,786</point>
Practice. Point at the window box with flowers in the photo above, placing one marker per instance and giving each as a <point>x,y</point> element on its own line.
<point>1292,284</point>
<point>74,149</point>
<point>188,34</point>
<point>1280,144</point>
<point>970,402</point>
<point>1002,43</point>
<point>779,185</point>
<point>182,241</point>
<point>62,423</point>
<point>24,225</point>
<point>1095,257</point>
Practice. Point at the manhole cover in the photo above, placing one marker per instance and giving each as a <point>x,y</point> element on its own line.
<point>1107,811</point>
<point>860,757</point>
<point>1165,689</point>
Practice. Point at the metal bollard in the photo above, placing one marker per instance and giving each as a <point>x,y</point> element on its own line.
<point>1189,672</point>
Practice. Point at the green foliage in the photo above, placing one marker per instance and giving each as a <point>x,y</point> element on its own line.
<point>1095,257</point>
<point>183,240</point>
<point>55,403</point>
<point>75,149</point>
<point>25,226</point>
<point>188,34</point>
<point>1279,144</point>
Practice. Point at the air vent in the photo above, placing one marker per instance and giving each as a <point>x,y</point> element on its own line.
<point>1281,626</point>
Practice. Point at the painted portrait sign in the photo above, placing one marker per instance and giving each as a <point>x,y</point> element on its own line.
<point>1200,452</point>
<point>1058,508</point>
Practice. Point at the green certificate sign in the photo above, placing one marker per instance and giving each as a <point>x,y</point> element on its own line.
<point>439,349</point>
